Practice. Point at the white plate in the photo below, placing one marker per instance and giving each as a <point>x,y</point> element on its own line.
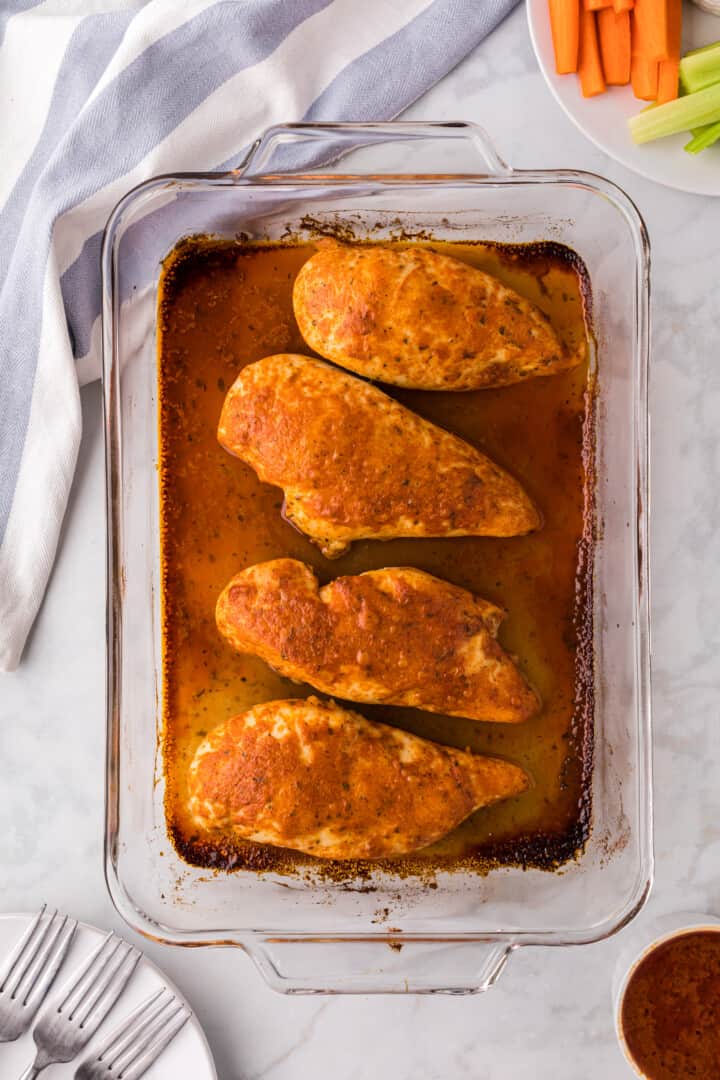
<point>187,1057</point>
<point>603,119</point>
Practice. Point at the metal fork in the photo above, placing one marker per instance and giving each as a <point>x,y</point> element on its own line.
<point>83,1003</point>
<point>136,1043</point>
<point>31,970</point>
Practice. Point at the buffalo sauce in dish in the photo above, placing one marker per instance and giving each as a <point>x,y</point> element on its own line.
<point>223,305</point>
<point>670,1010</point>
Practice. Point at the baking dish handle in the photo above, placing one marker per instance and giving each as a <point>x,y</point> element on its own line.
<point>288,147</point>
<point>390,966</point>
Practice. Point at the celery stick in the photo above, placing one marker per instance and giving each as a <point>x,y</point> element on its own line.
<point>702,49</point>
<point>700,69</point>
<point>703,137</point>
<point>683,114</point>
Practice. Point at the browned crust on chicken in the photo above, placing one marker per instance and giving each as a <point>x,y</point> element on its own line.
<point>308,775</point>
<point>355,464</point>
<point>411,317</point>
<point>398,636</point>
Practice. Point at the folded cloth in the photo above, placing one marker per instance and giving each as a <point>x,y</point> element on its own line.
<point>98,95</point>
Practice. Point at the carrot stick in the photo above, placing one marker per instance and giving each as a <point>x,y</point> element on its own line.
<point>668,74</point>
<point>589,65</point>
<point>668,80</point>
<point>565,26</point>
<point>614,31</point>
<point>644,78</point>
<point>623,5</point>
<point>650,33</point>
<point>596,5</point>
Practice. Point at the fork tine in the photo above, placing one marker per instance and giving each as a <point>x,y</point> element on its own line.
<point>51,964</point>
<point>33,969</point>
<point>107,989</point>
<point>145,1035</point>
<point>126,1032</point>
<point>79,984</point>
<point>27,955</point>
<point>99,983</point>
<point>20,948</point>
<point>142,1063</point>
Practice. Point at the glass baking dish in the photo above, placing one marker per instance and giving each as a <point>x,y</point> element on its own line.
<point>307,935</point>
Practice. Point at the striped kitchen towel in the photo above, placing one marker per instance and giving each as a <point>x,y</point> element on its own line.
<point>97,95</point>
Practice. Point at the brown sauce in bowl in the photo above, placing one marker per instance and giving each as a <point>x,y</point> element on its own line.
<point>670,1011</point>
<point>223,305</point>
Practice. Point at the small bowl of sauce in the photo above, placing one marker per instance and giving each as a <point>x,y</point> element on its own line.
<point>668,1015</point>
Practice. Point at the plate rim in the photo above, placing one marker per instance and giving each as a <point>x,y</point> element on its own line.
<point>533,14</point>
<point>197,1027</point>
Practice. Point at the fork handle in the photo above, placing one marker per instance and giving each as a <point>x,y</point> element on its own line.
<point>31,1072</point>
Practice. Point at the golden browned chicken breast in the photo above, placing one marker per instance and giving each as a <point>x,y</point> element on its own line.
<point>413,318</point>
<point>311,776</point>
<point>354,463</point>
<point>397,635</point>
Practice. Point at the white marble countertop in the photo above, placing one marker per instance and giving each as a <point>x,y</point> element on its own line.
<point>550,1014</point>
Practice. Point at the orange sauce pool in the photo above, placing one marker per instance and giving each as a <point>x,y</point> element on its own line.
<point>223,305</point>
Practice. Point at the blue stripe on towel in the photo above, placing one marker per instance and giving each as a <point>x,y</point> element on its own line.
<point>14,7</point>
<point>146,101</point>
<point>88,53</point>
<point>361,91</point>
<point>420,54</point>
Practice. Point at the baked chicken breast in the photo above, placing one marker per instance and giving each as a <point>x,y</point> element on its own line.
<point>355,464</point>
<point>397,635</point>
<point>413,318</point>
<point>308,775</point>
